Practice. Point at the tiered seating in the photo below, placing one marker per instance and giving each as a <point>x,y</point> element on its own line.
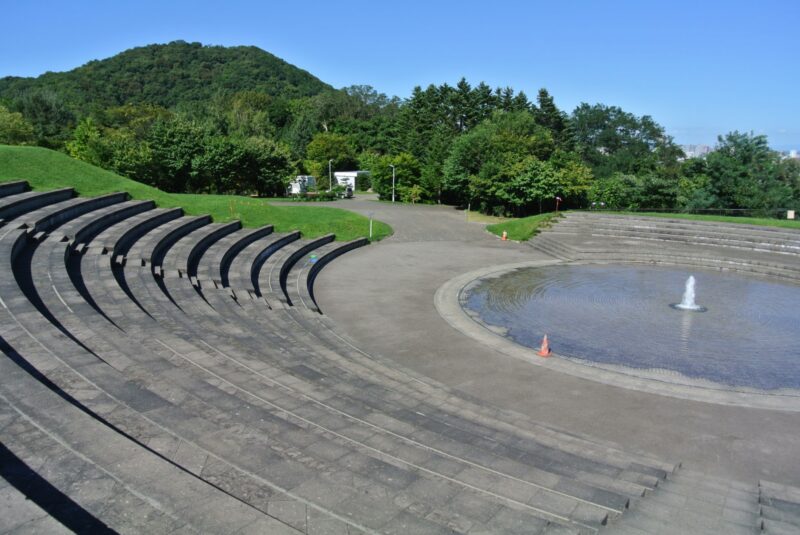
<point>779,508</point>
<point>773,252</point>
<point>185,366</point>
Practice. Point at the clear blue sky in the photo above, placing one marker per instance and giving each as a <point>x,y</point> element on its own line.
<point>700,68</point>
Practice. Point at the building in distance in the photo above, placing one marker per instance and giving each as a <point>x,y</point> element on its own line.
<point>696,151</point>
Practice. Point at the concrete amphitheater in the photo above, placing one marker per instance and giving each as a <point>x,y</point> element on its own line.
<point>164,374</point>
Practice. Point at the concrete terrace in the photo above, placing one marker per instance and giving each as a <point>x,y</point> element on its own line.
<point>164,374</point>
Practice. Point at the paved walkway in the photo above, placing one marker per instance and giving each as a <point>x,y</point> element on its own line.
<point>433,244</point>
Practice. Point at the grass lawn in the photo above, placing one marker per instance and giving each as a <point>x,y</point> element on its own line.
<point>761,221</point>
<point>46,169</point>
<point>523,228</point>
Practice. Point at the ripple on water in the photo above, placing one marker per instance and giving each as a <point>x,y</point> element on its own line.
<point>748,337</point>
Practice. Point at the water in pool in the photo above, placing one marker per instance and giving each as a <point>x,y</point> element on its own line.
<point>747,333</point>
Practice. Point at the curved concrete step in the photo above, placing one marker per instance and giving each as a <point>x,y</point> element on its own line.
<point>273,272</point>
<point>216,261</point>
<point>206,327</point>
<point>13,205</point>
<point>183,256</point>
<point>39,347</point>
<point>190,293</point>
<point>133,397</point>
<point>339,379</point>
<point>194,321</point>
<point>217,377</point>
<point>249,270</point>
<point>306,288</point>
<point>683,229</point>
<point>13,187</point>
<point>151,248</point>
<point>119,238</point>
<point>779,507</point>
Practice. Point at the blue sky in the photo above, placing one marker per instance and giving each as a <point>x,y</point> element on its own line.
<point>700,68</point>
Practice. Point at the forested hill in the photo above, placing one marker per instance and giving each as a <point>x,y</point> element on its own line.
<point>178,73</point>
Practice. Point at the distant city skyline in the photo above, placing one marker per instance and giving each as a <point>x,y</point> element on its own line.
<point>699,69</point>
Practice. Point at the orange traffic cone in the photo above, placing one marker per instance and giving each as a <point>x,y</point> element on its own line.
<point>544,351</point>
<point>505,235</point>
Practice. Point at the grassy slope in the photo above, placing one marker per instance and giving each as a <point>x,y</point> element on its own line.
<point>523,228</point>
<point>46,169</point>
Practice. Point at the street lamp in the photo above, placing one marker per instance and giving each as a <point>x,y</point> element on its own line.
<point>393,179</point>
<point>330,176</point>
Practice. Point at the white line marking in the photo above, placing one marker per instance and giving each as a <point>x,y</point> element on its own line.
<point>61,299</point>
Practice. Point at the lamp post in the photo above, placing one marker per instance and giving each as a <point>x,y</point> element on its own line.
<point>330,176</point>
<point>393,179</point>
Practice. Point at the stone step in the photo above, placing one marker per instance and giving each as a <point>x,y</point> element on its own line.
<point>183,256</point>
<point>119,238</point>
<point>642,228</point>
<point>216,261</point>
<point>56,256</point>
<point>789,248</point>
<point>711,226</point>
<point>780,507</point>
<point>347,407</point>
<point>275,399</point>
<point>401,379</point>
<point>151,247</point>
<point>187,307</point>
<point>694,503</point>
<point>411,386</point>
<point>120,391</point>
<point>626,255</point>
<point>250,259</point>
<point>61,491</point>
<point>176,497</point>
<point>273,273</point>
<point>551,246</point>
<point>776,527</point>
<point>12,206</point>
<point>300,279</point>
<point>79,231</point>
<point>13,187</point>
<point>385,410</point>
<point>49,217</point>
<point>766,234</point>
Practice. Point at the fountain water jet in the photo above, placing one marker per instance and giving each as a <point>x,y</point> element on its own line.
<point>687,303</point>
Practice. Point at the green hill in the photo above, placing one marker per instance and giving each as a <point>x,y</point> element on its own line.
<point>45,169</point>
<point>169,75</point>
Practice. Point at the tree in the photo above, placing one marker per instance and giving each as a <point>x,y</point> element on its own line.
<point>220,166</point>
<point>50,118</point>
<point>407,175</point>
<point>529,181</point>
<point>328,146</point>
<point>550,117</point>
<point>86,144</point>
<point>618,191</point>
<point>14,129</point>
<point>243,114</point>
<point>611,140</point>
<point>745,173</point>
<point>174,144</point>
<point>480,159</point>
<point>271,166</point>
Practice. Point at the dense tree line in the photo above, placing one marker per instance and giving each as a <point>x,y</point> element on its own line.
<point>188,118</point>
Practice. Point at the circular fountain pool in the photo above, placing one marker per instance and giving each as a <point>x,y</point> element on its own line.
<point>620,316</point>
